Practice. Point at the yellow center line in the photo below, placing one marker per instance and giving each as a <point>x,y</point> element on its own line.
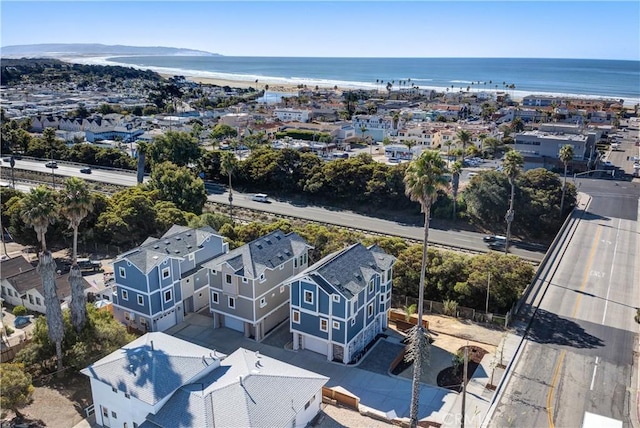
<point>556,372</point>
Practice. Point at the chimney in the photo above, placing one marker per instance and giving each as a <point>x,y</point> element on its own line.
<point>152,345</point>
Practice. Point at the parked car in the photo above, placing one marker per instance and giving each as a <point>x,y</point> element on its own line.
<point>86,170</point>
<point>51,164</point>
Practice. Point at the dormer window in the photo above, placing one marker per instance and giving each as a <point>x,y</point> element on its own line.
<point>122,272</point>
<point>166,273</point>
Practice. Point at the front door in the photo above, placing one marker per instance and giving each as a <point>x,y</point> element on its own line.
<point>105,417</point>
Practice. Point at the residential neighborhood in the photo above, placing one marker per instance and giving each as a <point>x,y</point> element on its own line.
<point>210,300</point>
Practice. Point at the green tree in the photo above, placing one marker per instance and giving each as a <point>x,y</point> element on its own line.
<point>76,203</point>
<point>228,164</point>
<point>181,148</point>
<point>40,209</point>
<point>214,220</point>
<point>180,186</point>
<point>513,162</point>
<point>456,169</point>
<point>222,131</point>
<point>17,389</point>
<point>423,178</point>
<point>464,137</point>
<point>566,156</point>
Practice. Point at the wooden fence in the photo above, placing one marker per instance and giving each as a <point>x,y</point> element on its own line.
<point>341,398</point>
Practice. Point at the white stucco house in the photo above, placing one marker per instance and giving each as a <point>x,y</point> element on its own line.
<point>162,381</point>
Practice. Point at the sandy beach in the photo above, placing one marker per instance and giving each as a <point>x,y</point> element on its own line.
<point>273,86</point>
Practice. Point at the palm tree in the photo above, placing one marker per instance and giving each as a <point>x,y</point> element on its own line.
<point>465,138</point>
<point>142,150</point>
<point>228,164</point>
<point>566,156</point>
<point>76,203</point>
<point>39,210</point>
<point>424,176</point>
<point>456,169</point>
<point>513,162</point>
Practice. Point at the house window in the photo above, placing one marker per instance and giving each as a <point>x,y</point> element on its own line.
<point>165,273</point>
<point>282,288</point>
<point>143,321</point>
<point>126,395</point>
<point>227,278</point>
<point>129,316</point>
<point>295,263</point>
<point>308,297</point>
<point>122,272</point>
<point>140,300</point>
<point>4,290</point>
<point>306,406</point>
<point>167,296</point>
<point>215,297</point>
<point>214,272</point>
<point>371,286</point>
<point>262,278</point>
<point>281,267</point>
<point>336,325</point>
<point>125,294</point>
<point>296,317</point>
<point>263,302</point>
<point>191,256</point>
<point>245,280</point>
<point>114,415</point>
<point>304,258</point>
<point>353,322</point>
<point>324,324</point>
<point>30,299</point>
<point>370,309</point>
<point>114,389</point>
<point>38,301</point>
<point>336,298</point>
<point>232,302</point>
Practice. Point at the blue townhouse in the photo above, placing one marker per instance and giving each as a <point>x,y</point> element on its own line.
<point>340,304</point>
<point>162,280</point>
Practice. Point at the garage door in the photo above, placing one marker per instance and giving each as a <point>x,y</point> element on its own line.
<point>234,323</point>
<point>315,345</point>
<point>166,321</point>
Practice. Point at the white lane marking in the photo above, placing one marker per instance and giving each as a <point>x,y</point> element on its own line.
<point>615,249</point>
<point>593,378</point>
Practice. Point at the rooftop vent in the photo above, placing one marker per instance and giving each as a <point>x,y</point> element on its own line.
<point>167,242</point>
<point>177,251</point>
<point>178,238</point>
<point>189,247</point>
<point>189,234</point>
<point>267,240</point>
<point>259,245</point>
<point>156,247</point>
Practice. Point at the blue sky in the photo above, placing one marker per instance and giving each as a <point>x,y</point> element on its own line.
<point>539,29</point>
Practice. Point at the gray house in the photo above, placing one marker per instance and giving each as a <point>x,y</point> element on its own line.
<point>161,381</point>
<point>246,285</point>
<point>161,281</point>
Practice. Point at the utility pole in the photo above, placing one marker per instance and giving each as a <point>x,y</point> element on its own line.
<point>464,384</point>
<point>12,163</point>
<point>488,282</point>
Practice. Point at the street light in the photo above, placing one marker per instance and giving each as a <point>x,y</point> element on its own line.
<point>486,311</point>
<point>12,163</point>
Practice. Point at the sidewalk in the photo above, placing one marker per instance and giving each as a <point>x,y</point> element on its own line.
<point>478,399</point>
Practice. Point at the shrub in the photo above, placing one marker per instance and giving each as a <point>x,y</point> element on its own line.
<point>8,330</point>
<point>450,308</point>
<point>19,310</point>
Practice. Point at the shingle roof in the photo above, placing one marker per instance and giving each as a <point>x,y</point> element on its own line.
<point>349,270</point>
<point>177,242</point>
<point>152,366</point>
<point>266,252</point>
<point>247,390</point>
<point>31,279</point>
<point>14,266</point>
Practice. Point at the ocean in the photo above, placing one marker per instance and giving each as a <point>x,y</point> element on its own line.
<point>573,77</point>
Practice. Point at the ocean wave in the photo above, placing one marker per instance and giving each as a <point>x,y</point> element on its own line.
<point>422,83</point>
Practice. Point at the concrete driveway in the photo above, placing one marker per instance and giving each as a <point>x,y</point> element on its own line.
<point>387,394</point>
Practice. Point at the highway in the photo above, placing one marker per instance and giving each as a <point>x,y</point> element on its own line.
<point>578,354</point>
<point>454,238</point>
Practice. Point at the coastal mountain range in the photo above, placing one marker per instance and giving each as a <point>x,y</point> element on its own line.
<point>93,49</point>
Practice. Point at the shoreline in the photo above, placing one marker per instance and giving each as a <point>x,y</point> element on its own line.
<point>277,84</point>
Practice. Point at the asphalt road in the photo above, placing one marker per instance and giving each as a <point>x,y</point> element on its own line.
<point>462,239</point>
<point>578,352</point>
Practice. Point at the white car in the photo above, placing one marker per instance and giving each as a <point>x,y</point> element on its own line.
<point>260,197</point>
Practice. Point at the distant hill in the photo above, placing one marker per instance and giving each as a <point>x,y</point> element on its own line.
<point>93,49</point>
